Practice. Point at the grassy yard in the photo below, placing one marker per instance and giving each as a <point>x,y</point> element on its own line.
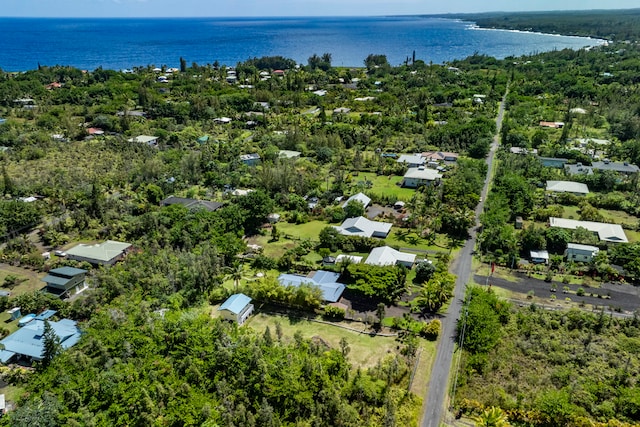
<point>365,349</point>
<point>29,280</point>
<point>309,230</point>
<point>383,185</point>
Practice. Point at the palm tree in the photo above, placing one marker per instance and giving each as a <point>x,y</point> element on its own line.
<point>235,272</point>
<point>491,417</point>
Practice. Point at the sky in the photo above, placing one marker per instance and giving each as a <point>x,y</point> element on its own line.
<point>255,8</point>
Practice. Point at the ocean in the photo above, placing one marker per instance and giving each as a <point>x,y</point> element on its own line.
<point>126,43</point>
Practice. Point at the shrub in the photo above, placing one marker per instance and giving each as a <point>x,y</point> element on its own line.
<point>580,292</point>
<point>335,313</point>
<point>431,330</point>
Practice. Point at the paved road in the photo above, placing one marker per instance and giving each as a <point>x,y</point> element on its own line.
<point>438,391</point>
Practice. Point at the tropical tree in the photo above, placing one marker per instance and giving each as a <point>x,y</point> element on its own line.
<point>491,417</point>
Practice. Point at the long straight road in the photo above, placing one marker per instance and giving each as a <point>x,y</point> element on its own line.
<point>438,390</point>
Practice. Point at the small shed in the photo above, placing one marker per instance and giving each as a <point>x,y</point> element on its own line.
<point>539,257</point>
<point>519,223</point>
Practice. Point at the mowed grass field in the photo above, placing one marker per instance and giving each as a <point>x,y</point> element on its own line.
<point>385,185</point>
<point>29,280</point>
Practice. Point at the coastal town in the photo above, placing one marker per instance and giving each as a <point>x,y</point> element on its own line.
<point>271,243</point>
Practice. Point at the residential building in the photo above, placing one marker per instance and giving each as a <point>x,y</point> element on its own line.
<point>192,203</point>
<point>348,258</point>
<point>578,169</point>
<point>326,281</point>
<point>360,197</point>
<point>576,188</point>
<point>416,177</point>
<point>363,227</point>
<point>553,162</point>
<point>440,156</point>
<point>619,167</point>
<point>553,125</point>
<point>65,281</point>
<point>523,151</point>
<point>28,341</point>
<point>412,160</point>
<point>386,255</point>
<point>289,154</point>
<point>151,141</point>
<point>250,159</point>
<point>580,253</point>
<point>237,308</point>
<point>106,253</point>
<point>612,233</point>
<point>539,257</point>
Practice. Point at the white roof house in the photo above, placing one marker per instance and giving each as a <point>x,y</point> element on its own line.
<point>105,253</point>
<point>539,256</point>
<point>412,160</point>
<point>606,232</point>
<point>145,139</point>
<point>577,188</point>
<point>582,253</point>
<point>360,197</point>
<point>361,226</point>
<point>386,255</point>
<point>350,258</point>
<point>416,177</point>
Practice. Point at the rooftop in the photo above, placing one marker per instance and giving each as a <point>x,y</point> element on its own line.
<point>361,226</point>
<point>422,173</point>
<point>327,281</point>
<point>606,232</point>
<point>105,251</point>
<point>235,303</point>
<point>386,255</point>
<point>192,203</point>
<point>412,159</point>
<point>567,187</point>
<point>360,197</point>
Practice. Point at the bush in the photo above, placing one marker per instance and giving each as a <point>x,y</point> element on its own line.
<point>580,292</point>
<point>335,313</point>
<point>431,330</point>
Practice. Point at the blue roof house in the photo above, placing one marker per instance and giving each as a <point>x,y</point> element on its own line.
<point>28,341</point>
<point>237,308</point>
<point>327,281</point>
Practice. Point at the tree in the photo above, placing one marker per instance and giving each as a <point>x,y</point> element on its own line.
<point>330,238</point>
<point>183,65</point>
<point>353,209</point>
<point>236,273</point>
<point>52,345</point>
<point>491,417</point>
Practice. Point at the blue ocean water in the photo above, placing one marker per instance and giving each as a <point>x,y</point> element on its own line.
<point>125,43</point>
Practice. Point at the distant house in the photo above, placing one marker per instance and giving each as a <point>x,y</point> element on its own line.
<point>580,253</point>
<point>363,227</point>
<point>553,125</point>
<point>192,203</point>
<point>237,308</point>
<point>222,120</point>
<point>326,281</point>
<point>440,156</point>
<point>28,341</point>
<point>386,255</point>
<point>342,110</point>
<point>576,188</point>
<point>151,141</point>
<point>619,167</point>
<point>250,159</point>
<point>539,257</point>
<point>578,169</point>
<point>360,197</point>
<point>612,233</point>
<point>289,154</point>
<point>412,160</point>
<point>553,162</point>
<point>348,258</point>
<point>132,113</point>
<point>65,281</point>
<point>523,151</point>
<point>583,142</point>
<point>416,177</point>
<point>106,253</point>
<point>95,131</point>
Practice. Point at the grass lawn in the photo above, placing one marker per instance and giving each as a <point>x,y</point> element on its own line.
<point>425,363</point>
<point>309,230</point>
<point>412,241</point>
<point>365,349</point>
<point>272,249</point>
<point>384,185</point>
<point>30,280</point>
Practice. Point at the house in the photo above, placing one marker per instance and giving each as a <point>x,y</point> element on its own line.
<point>28,341</point>
<point>580,253</point>
<point>106,253</point>
<point>619,167</point>
<point>360,197</point>
<point>412,160</point>
<point>612,233</point>
<point>95,131</point>
<point>65,281</point>
<point>192,203</point>
<point>237,308</point>
<point>578,169</point>
<point>523,151</point>
<point>539,257</point>
<point>553,162</point>
<point>326,281</point>
<point>584,142</point>
<point>289,154</point>
<point>386,255</point>
<point>415,177</point>
<point>222,120</point>
<point>553,125</point>
<point>342,110</point>
<point>348,258</point>
<point>363,227</point>
<point>250,159</point>
<point>440,156</point>
<point>576,188</point>
<point>151,141</point>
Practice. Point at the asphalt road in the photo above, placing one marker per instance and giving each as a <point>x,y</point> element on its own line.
<point>437,394</point>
